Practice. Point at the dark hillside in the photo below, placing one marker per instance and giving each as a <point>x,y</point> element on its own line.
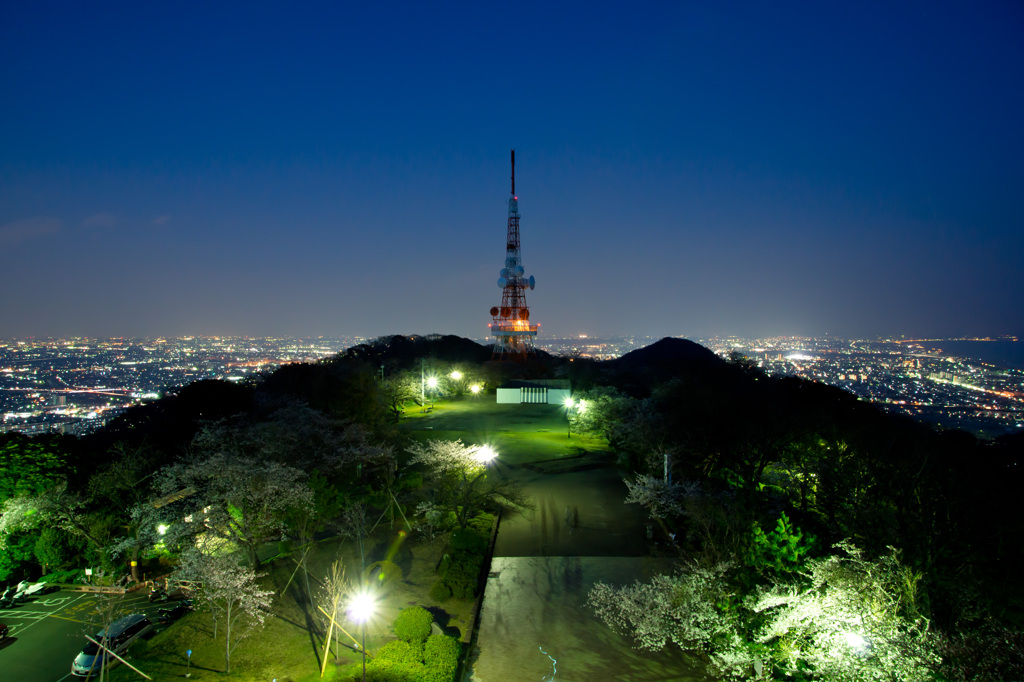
<point>639,371</point>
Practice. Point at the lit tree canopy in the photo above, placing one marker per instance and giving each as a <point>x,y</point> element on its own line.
<point>236,499</point>
<point>849,618</point>
<point>460,479</point>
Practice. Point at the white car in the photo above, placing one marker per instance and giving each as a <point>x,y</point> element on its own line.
<point>119,636</point>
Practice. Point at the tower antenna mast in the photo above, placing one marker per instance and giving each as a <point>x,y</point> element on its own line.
<point>510,326</point>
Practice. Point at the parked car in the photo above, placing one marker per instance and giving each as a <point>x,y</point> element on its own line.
<point>119,636</point>
<point>173,613</point>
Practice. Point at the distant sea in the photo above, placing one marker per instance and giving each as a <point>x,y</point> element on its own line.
<point>1005,353</point>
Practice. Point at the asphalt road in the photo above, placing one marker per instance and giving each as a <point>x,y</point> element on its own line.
<point>47,633</point>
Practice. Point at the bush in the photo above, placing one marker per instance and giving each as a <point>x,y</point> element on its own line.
<point>401,652</point>
<point>387,670</point>
<point>441,656</point>
<point>413,624</point>
<point>388,575</point>
<point>482,523</point>
<point>76,575</point>
<point>468,540</point>
<point>440,592</point>
<point>57,549</point>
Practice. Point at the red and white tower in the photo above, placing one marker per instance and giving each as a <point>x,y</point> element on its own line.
<point>513,334</point>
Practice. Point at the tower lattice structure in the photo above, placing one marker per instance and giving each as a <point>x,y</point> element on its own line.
<point>513,334</point>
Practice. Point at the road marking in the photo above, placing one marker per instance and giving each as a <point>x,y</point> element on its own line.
<point>40,619</point>
<point>73,620</point>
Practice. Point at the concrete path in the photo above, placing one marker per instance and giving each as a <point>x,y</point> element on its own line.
<point>579,513</point>
<point>534,610</point>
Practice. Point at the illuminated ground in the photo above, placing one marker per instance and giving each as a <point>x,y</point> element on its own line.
<point>534,610</point>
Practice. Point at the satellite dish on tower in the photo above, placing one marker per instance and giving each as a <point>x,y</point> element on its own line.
<point>494,311</point>
<point>533,282</point>
<point>502,282</point>
<point>505,312</point>
<point>519,271</point>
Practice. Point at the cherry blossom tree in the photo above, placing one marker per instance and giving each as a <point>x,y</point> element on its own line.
<point>847,618</point>
<point>460,478</point>
<point>237,499</point>
<point>229,591</point>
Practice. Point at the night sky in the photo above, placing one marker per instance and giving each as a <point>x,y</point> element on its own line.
<point>342,168</point>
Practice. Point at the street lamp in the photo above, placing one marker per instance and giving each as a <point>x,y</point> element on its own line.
<point>456,375</point>
<point>360,610</point>
<point>569,405</point>
<point>432,385</point>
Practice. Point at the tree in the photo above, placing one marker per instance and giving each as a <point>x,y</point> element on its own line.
<point>229,591</point>
<point>306,520</point>
<point>236,499</point>
<point>662,499</point>
<point>846,618</point>
<point>682,609</point>
<point>853,619</point>
<point>461,484</point>
<point>399,389</point>
<point>29,466</point>
<point>121,488</point>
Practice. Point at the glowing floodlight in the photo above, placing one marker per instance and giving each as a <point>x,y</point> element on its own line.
<point>485,454</point>
<point>456,375</point>
<point>855,641</point>
<point>569,403</point>
<point>474,388</point>
<point>161,529</point>
<point>432,382</point>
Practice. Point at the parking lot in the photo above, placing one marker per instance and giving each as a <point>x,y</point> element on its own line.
<point>46,633</point>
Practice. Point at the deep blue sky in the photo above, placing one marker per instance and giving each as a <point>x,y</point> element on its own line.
<point>342,168</point>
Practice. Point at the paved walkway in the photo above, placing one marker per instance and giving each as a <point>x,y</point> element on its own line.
<point>534,610</point>
<point>534,622</point>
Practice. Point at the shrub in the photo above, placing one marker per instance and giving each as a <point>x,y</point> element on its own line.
<point>413,624</point>
<point>387,670</point>
<point>401,652</point>
<point>468,540</point>
<point>75,575</point>
<point>441,655</point>
<point>388,575</point>
<point>482,523</point>
<point>440,592</point>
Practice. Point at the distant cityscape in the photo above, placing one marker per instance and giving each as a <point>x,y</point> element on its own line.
<point>75,386</point>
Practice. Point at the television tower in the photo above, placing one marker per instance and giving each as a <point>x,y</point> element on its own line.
<point>513,334</point>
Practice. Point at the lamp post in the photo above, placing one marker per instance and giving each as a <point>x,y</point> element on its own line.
<point>432,385</point>
<point>569,405</point>
<point>360,610</point>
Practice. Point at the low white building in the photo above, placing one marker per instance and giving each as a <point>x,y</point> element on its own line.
<point>538,391</point>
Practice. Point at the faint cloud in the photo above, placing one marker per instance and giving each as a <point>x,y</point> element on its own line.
<point>30,228</point>
<point>161,220</point>
<point>104,220</point>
